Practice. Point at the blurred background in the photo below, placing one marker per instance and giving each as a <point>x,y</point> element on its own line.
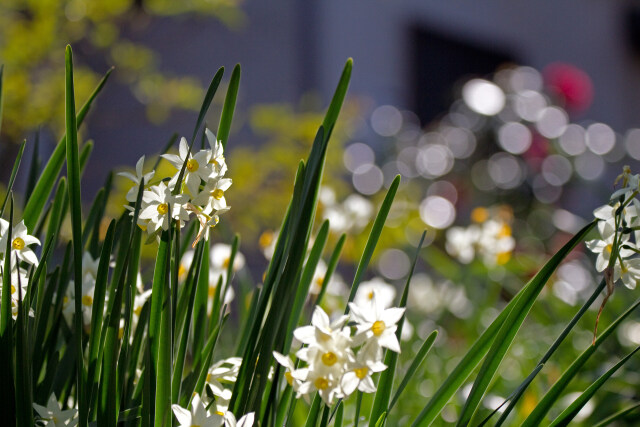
<point>508,122</point>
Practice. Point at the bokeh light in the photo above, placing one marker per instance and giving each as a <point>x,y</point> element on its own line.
<point>386,120</point>
<point>600,138</point>
<point>368,179</point>
<point>357,155</point>
<point>437,212</point>
<point>514,137</point>
<point>483,97</point>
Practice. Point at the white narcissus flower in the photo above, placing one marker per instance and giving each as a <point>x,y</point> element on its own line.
<point>336,285</point>
<point>216,160</point>
<point>628,272</point>
<point>197,167</point>
<point>132,195</point>
<point>54,416</point>
<point>604,247</point>
<point>224,371</point>
<point>378,324</point>
<point>359,373</point>
<point>384,293</point>
<point>157,201</point>
<point>20,242</point>
<point>19,282</point>
<point>198,416</point>
<point>320,329</point>
<point>289,367</point>
<point>245,421</point>
<point>212,195</point>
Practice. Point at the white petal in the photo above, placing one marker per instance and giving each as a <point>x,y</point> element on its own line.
<point>182,415</point>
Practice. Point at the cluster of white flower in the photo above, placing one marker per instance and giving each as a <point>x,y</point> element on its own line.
<point>20,251</point>
<point>350,216</point>
<point>214,410</point>
<point>219,259</point>
<point>202,190</point>
<point>489,237</point>
<point>201,417</point>
<point>618,221</point>
<point>89,276</point>
<point>337,363</point>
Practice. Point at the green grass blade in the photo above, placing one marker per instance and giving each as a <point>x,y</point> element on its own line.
<point>383,393</point>
<point>374,235</point>
<point>569,414</point>
<point>183,336</point>
<point>331,268</point>
<point>540,411</point>
<point>73,175</point>
<point>302,290</point>
<point>338,98</point>
<point>211,91</point>
<point>229,106</point>
<point>160,331</point>
<point>1,97</point>
<point>200,303</point>
<point>213,87</point>
<point>7,392</point>
<point>522,387</point>
<point>515,396</point>
<point>98,310</point>
<point>314,412</point>
<point>618,415</point>
<point>417,361</point>
<point>339,415</point>
<point>512,324</point>
<point>34,167</point>
<point>53,167</point>
<point>12,177</point>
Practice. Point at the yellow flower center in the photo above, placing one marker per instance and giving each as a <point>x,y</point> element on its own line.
<point>505,231</point>
<point>192,165</point>
<point>13,289</point>
<point>208,378</point>
<point>289,378</point>
<point>321,383</point>
<point>18,244</point>
<point>212,291</point>
<point>623,270</point>
<point>163,208</point>
<point>329,358</point>
<point>137,310</point>
<point>361,372</point>
<point>608,248</point>
<point>378,327</point>
<point>87,300</point>
<point>479,215</point>
<point>217,194</point>
<point>265,239</point>
<point>225,263</point>
<point>370,296</point>
<point>503,257</point>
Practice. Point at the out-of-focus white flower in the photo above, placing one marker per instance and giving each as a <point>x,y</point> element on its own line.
<point>133,192</point>
<point>244,421</point>
<point>461,242</point>
<point>336,285</point>
<point>198,416</point>
<point>377,323</point>
<point>53,415</point>
<point>18,284</point>
<point>383,292</point>
<point>352,215</point>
